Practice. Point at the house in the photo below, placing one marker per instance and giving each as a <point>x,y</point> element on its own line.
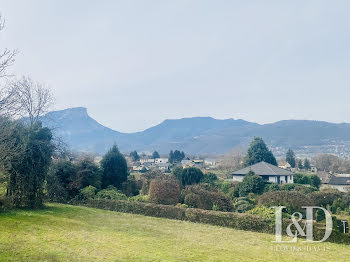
<point>324,176</point>
<point>313,169</point>
<point>268,172</point>
<point>163,167</point>
<point>210,162</point>
<point>160,160</point>
<point>146,161</point>
<point>340,183</point>
<point>284,165</point>
<point>198,162</point>
<point>187,163</point>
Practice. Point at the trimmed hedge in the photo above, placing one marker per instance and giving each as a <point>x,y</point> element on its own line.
<point>226,219</point>
<point>239,221</point>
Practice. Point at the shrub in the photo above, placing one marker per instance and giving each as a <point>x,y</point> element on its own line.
<point>251,184</point>
<point>272,187</point>
<point>111,193</point>
<point>139,198</point>
<point>209,178</point>
<point>192,200</point>
<point>191,175</point>
<point>164,191</point>
<point>243,204</point>
<point>263,212</point>
<point>225,187</point>
<point>292,200</point>
<point>147,177</point>
<point>88,192</point>
<point>208,198</point>
<point>287,187</point>
<point>324,198</point>
<point>130,187</point>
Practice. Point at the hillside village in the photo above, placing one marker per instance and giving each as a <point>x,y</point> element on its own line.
<point>146,163</point>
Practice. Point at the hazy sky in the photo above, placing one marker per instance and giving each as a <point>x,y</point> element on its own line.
<point>135,63</point>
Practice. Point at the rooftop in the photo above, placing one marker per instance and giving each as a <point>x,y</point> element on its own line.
<point>335,180</point>
<point>264,169</point>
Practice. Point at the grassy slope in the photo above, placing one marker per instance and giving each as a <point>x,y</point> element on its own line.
<point>66,233</point>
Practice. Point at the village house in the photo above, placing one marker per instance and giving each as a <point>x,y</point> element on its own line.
<point>210,162</point>
<point>187,163</point>
<point>268,172</point>
<point>342,183</point>
<point>161,160</point>
<point>163,167</point>
<point>284,165</point>
<point>147,161</point>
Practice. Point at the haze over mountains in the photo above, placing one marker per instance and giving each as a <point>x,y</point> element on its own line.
<point>200,135</point>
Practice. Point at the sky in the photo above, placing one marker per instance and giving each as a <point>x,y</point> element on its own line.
<point>135,63</point>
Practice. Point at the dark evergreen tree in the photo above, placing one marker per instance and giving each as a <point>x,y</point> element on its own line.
<point>115,169</point>
<point>134,156</point>
<point>300,164</point>
<point>307,165</point>
<point>290,158</point>
<point>191,175</point>
<point>176,156</point>
<point>258,152</point>
<point>155,155</point>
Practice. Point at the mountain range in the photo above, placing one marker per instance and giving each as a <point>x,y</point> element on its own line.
<point>200,135</point>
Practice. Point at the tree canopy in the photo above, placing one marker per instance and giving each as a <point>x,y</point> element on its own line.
<point>290,158</point>
<point>114,168</point>
<point>191,175</point>
<point>155,155</point>
<point>258,152</point>
<point>134,156</point>
<point>176,156</point>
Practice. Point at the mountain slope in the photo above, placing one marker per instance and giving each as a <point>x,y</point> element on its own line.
<point>200,135</point>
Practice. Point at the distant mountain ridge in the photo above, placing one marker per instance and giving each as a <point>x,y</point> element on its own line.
<point>199,135</point>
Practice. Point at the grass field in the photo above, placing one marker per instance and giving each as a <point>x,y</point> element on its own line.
<point>67,233</point>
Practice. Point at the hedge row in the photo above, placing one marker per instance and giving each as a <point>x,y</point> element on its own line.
<point>242,221</point>
<point>246,222</point>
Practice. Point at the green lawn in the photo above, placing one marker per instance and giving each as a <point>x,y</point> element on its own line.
<point>67,233</point>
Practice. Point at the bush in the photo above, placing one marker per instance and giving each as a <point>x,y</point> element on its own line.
<point>147,177</point>
<point>271,187</point>
<point>251,184</point>
<point>130,187</point>
<point>324,198</point>
<point>264,212</point>
<point>192,200</point>
<point>164,191</point>
<point>243,204</point>
<point>88,192</point>
<point>139,198</point>
<point>292,200</point>
<point>287,187</point>
<point>111,193</point>
<point>209,178</point>
<point>208,198</point>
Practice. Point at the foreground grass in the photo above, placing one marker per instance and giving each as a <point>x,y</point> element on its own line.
<point>67,233</point>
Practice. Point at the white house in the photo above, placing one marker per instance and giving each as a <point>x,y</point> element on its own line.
<point>146,161</point>
<point>210,162</point>
<point>268,172</point>
<point>161,160</point>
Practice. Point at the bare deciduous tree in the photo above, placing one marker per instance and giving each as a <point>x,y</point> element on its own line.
<point>34,98</point>
<point>7,56</point>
